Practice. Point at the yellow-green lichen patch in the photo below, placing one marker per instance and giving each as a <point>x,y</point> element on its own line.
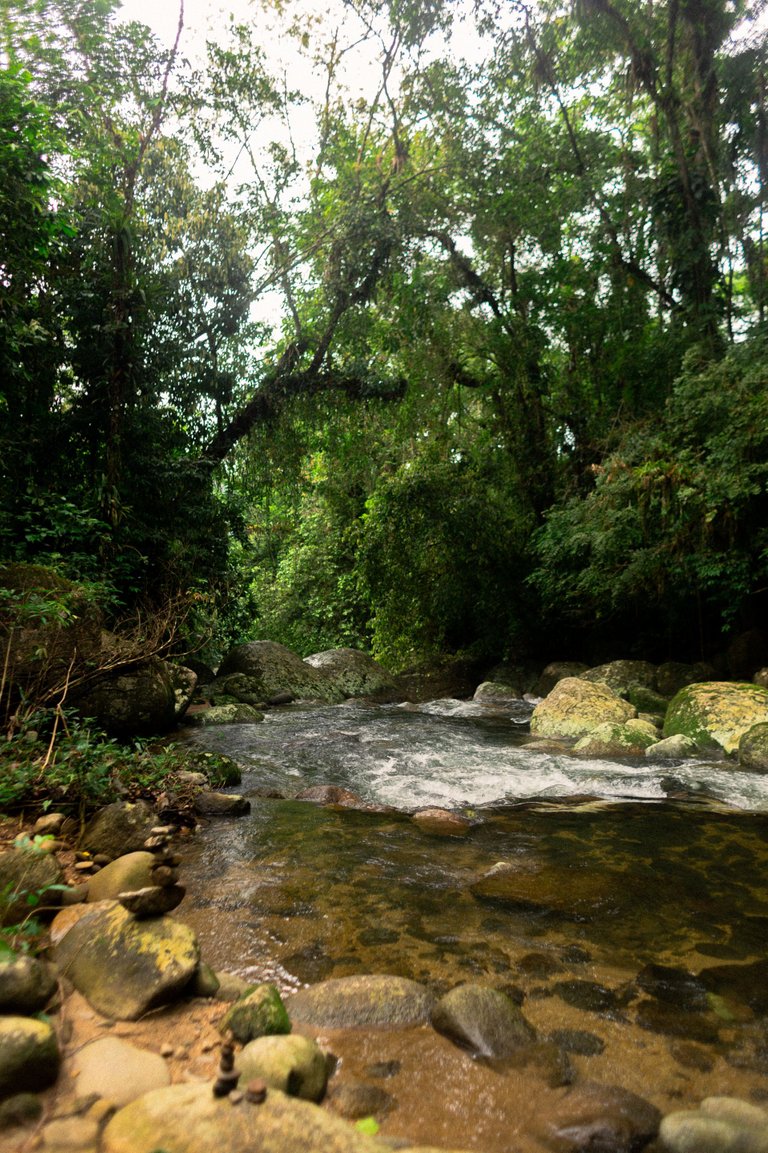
<point>716,714</point>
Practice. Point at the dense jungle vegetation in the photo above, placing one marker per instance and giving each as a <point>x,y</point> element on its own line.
<point>466,357</point>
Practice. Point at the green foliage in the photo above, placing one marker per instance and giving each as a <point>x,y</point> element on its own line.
<point>672,536</point>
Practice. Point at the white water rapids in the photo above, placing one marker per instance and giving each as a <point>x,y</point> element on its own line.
<point>457,754</point>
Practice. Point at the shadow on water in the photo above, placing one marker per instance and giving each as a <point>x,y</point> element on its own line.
<point>634,932</point>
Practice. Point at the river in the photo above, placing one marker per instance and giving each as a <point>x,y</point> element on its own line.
<point>633,930</point>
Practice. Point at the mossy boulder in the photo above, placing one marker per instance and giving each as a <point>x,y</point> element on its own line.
<point>717,714</point>
<point>29,1055</point>
<point>273,670</point>
<point>611,740</point>
<point>119,828</point>
<point>26,877</point>
<point>259,1013</point>
<point>352,673</point>
<point>576,707</point>
<point>753,749</point>
<point>189,1119</point>
<point>136,701</point>
<point>294,1064</point>
<point>623,676</point>
<point>123,966</point>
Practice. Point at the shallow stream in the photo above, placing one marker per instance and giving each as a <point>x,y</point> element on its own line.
<point>635,931</point>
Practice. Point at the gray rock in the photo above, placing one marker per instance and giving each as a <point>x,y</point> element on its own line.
<point>205,983</point>
<point>125,967</point>
<point>557,671</point>
<point>210,804</point>
<point>49,825</point>
<point>119,828</point>
<point>674,675</point>
<point>259,1013</point>
<point>131,871</point>
<point>576,707</point>
<point>117,1071</point>
<point>295,1064</point>
<point>274,669</point>
<point>483,1020</point>
<point>622,676</point>
<point>362,1000</point>
<point>331,795</point>
<point>598,1119</point>
<point>26,984</point>
<point>189,1119</point>
<point>138,701</point>
<point>26,873</point>
<point>29,1055</point>
<point>231,987</point>
<point>753,749</point>
<point>352,673</point>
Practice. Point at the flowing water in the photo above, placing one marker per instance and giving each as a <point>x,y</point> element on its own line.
<point>627,905</point>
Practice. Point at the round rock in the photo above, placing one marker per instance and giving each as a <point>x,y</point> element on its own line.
<point>295,1064</point>
<point>29,1055</point>
<point>118,1072</point>
<point>369,1000</point>
<point>483,1020</point>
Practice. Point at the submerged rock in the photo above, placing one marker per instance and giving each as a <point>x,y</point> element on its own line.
<point>442,822</point>
<point>362,1000</point>
<point>575,893</point>
<point>594,1118</point>
<point>483,1020</point>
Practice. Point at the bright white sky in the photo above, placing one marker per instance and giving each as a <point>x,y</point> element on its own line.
<point>202,19</point>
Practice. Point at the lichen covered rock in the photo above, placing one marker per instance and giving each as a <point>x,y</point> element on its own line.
<point>716,714</point>
<point>371,1000</point>
<point>576,707</point>
<point>612,740</point>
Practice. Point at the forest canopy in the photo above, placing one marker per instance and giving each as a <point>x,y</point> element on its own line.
<point>448,338</point>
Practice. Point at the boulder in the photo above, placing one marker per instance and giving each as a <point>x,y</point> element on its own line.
<point>576,893</point>
<point>352,673</point>
<point>483,1020</point>
<point>592,1118</point>
<point>557,671</point>
<point>211,804</point>
<point>119,828</point>
<point>123,966</point>
<point>716,714</point>
<point>495,693</point>
<point>622,676</point>
<point>117,1071</point>
<point>719,1125</point>
<point>274,669</point>
<point>761,678</point>
<point>675,675</point>
<point>189,1119</point>
<point>131,871</point>
<point>29,1055</point>
<point>26,877</point>
<point>26,984</point>
<point>136,701</point>
<point>295,1064</point>
<point>612,740</point>
<point>368,1000</point>
<point>576,707</point>
<point>219,770</point>
<point>184,683</point>
<point>442,822</point>
<point>260,1012</point>
<point>232,714</point>
<point>671,748</point>
<point>753,749</point>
